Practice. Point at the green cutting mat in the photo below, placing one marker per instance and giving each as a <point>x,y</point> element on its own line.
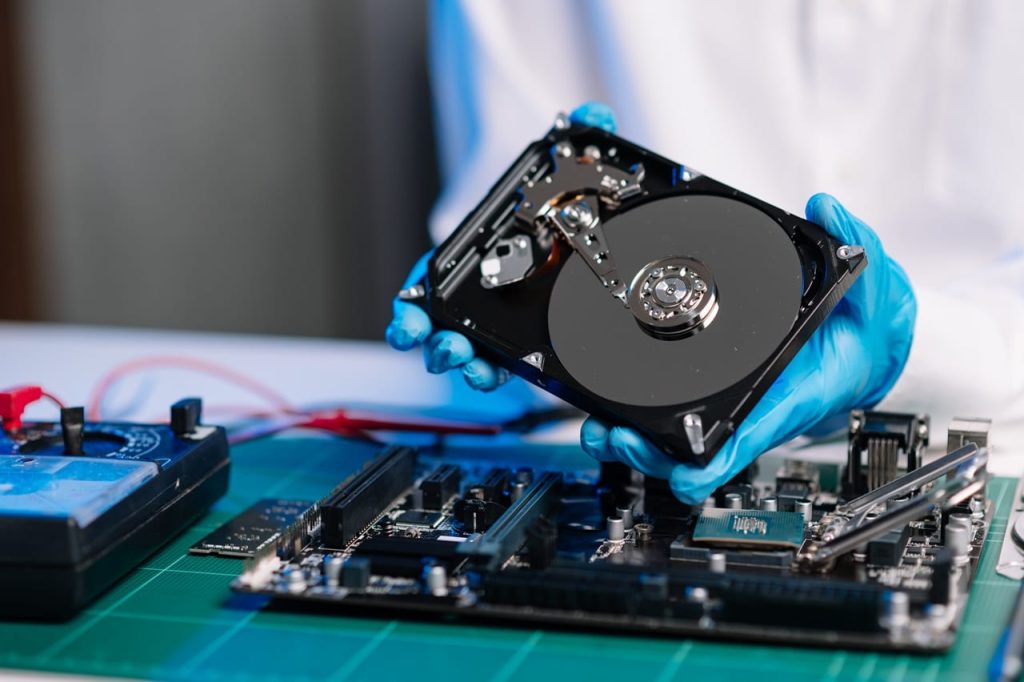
<point>174,618</point>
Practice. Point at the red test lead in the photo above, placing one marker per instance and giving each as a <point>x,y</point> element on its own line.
<point>13,402</point>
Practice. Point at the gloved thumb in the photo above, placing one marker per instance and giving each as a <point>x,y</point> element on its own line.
<point>595,115</point>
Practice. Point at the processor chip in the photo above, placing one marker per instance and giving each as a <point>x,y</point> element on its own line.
<point>749,527</point>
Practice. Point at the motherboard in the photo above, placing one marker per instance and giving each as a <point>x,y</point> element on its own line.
<point>878,552</point>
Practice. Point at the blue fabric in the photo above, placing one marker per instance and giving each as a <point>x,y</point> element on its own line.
<point>850,362</point>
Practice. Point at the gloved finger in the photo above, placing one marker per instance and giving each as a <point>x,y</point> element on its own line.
<point>872,288</point>
<point>632,449</point>
<point>693,485</point>
<point>594,440</point>
<point>482,375</point>
<point>622,444</point>
<point>446,350</point>
<point>595,115</point>
<point>409,327</point>
<point>797,400</point>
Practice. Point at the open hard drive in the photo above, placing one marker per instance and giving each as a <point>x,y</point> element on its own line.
<point>635,288</point>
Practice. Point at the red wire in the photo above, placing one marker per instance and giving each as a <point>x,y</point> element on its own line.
<point>331,420</point>
<point>54,399</point>
<point>178,362</point>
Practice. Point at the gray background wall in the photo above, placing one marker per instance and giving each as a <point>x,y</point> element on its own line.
<point>242,165</point>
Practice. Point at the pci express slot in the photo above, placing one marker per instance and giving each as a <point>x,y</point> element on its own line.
<point>440,486</point>
<point>732,599</point>
<point>347,511</point>
<point>507,535</point>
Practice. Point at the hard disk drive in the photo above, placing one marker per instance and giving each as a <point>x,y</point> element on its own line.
<point>634,287</point>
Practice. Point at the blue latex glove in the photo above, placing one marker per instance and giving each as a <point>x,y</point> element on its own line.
<point>447,350</point>
<point>850,362</point>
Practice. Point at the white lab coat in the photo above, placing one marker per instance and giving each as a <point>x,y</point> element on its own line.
<point>911,113</point>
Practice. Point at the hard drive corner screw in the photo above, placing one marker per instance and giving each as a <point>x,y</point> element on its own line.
<point>563,149</point>
<point>412,293</point>
<point>521,242</point>
<point>562,121</point>
<point>846,252</point>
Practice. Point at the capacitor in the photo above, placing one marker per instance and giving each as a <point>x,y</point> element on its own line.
<point>477,492</point>
<point>716,562</point>
<point>770,503</point>
<point>958,538</point>
<point>435,580</point>
<point>332,570</point>
<point>644,531</point>
<point>626,514</point>
<point>960,519</point>
<point>296,580</point>
<point>616,529</point>
<point>805,507</point>
<point>524,475</point>
<point>897,610</point>
<point>733,501</point>
<point>517,490</point>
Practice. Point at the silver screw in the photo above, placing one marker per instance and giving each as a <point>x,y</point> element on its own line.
<point>846,252</point>
<point>412,293</point>
<point>577,214</point>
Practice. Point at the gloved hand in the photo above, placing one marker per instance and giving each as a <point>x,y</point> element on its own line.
<point>445,350</point>
<point>850,362</point>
